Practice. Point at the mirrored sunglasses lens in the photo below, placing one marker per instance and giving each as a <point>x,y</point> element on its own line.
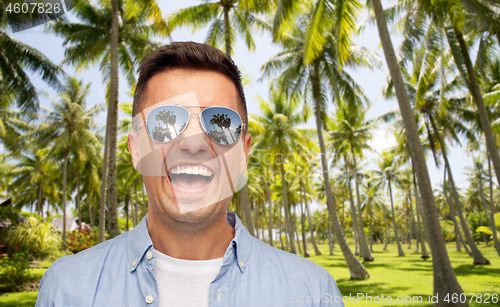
<point>222,125</point>
<point>165,123</point>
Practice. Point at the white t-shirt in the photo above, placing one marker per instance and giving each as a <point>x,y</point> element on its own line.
<point>184,283</point>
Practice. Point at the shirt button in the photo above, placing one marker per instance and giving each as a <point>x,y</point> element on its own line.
<point>241,264</point>
<point>149,255</point>
<point>149,299</point>
<point>134,263</point>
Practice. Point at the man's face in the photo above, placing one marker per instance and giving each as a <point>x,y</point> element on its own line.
<point>189,199</point>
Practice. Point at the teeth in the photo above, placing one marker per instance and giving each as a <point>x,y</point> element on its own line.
<point>191,170</point>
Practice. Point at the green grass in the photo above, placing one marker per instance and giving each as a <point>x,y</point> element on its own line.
<point>389,275</point>
<point>410,276</point>
<point>20,299</point>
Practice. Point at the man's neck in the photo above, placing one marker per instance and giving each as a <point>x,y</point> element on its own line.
<point>209,242</point>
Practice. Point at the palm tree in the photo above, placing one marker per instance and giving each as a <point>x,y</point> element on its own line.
<point>68,127</point>
<point>107,41</point>
<point>33,168</point>
<point>12,124</point>
<point>373,200</point>
<point>226,18</point>
<point>18,59</point>
<point>305,162</point>
<point>349,133</point>
<point>441,263</point>
<point>125,167</point>
<point>477,175</point>
<point>281,135</point>
<point>386,176</point>
<point>324,71</point>
<point>429,89</point>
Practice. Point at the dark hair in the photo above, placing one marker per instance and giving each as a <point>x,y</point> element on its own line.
<point>187,55</point>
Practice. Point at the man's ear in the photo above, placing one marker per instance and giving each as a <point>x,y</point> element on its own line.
<point>247,141</point>
<point>133,147</point>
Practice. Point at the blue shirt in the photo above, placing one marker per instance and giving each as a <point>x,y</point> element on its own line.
<point>119,272</point>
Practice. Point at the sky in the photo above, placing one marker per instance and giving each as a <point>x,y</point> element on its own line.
<point>250,63</point>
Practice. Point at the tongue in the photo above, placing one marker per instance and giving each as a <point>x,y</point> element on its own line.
<point>185,181</point>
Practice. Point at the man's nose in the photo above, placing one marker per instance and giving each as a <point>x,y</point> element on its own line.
<point>194,138</point>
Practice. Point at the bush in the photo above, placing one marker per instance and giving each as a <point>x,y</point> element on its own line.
<point>448,230</point>
<point>473,220</point>
<point>33,237</point>
<point>14,271</point>
<point>80,240</point>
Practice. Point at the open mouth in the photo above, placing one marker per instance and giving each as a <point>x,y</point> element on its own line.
<point>190,177</point>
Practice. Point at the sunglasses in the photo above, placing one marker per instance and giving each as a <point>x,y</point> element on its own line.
<point>165,123</point>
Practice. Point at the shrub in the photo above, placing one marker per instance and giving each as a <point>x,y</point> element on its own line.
<point>38,239</point>
<point>448,230</point>
<point>80,240</point>
<point>14,271</point>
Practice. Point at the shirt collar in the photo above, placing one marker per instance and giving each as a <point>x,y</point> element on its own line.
<point>139,241</point>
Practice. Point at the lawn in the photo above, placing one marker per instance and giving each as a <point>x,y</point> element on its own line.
<point>390,275</point>
<point>410,276</point>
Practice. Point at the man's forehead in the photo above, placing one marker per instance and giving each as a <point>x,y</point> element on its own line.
<point>211,88</point>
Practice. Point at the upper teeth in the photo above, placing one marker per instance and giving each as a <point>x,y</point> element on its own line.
<point>192,170</point>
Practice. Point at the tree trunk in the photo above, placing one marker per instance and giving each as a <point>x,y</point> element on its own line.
<point>270,221</point>
<point>288,220</point>
<point>452,213</point>
<point>475,91</point>
<point>445,280</point>
<point>371,230</point>
<point>247,211</point>
<point>227,31</point>
<point>126,213</point>
<point>65,173</point>
<point>330,238</point>
<point>279,227</point>
<point>295,230</point>
<point>386,229</point>
<point>491,221</point>
<point>355,227</point>
<point>492,211</point>
<point>311,227</point>
<point>410,219</point>
<point>256,218</point>
<point>102,203</point>
<point>420,212</point>
<point>420,236</point>
<point>78,196</point>
<point>92,222</point>
<point>365,250</point>
<point>113,228</point>
<point>476,253</point>
<point>262,218</point>
<point>90,201</point>
<point>400,249</point>
<point>453,217</point>
<point>39,204</point>
<point>303,224</point>
<point>356,268</point>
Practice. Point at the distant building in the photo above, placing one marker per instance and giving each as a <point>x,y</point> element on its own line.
<point>5,223</point>
<point>71,224</point>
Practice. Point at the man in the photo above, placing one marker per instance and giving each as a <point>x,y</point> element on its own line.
<point>190,143</point>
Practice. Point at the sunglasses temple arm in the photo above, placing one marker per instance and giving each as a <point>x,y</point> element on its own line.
<point>139,126</point>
